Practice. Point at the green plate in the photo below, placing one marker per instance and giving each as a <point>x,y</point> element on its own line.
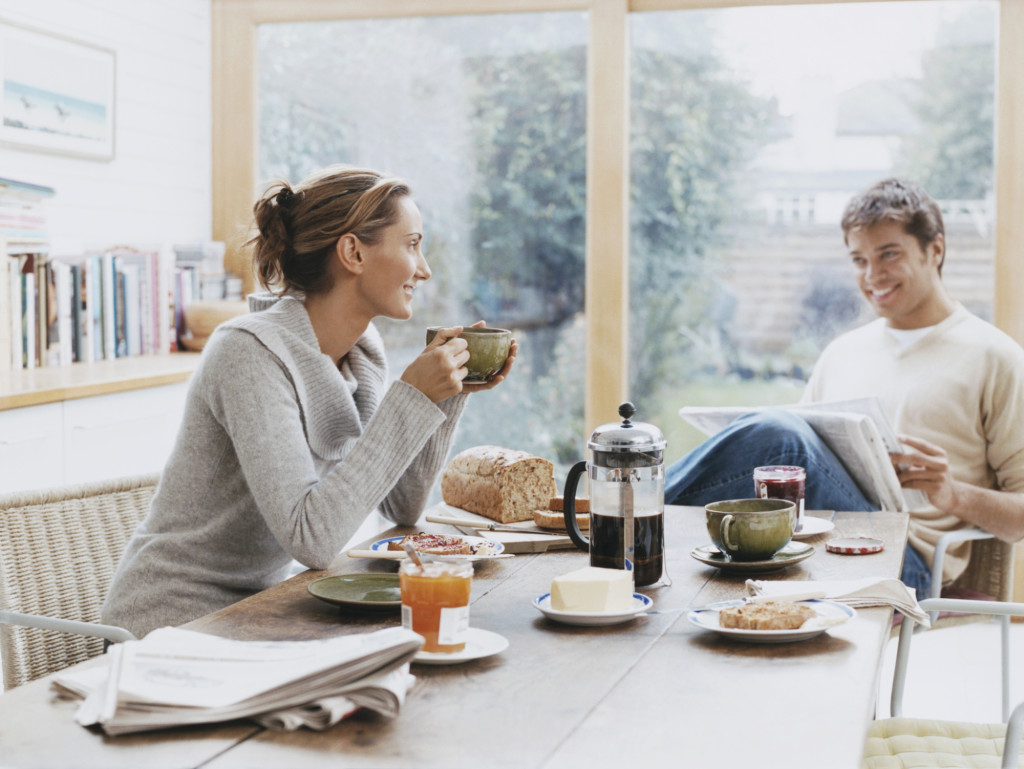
<point>372,591</point>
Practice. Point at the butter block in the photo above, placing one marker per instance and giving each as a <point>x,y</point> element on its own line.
<point>593,589</point>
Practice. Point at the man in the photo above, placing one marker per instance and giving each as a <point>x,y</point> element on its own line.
<point>952,384</point>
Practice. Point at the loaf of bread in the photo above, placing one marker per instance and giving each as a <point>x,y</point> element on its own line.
<point>505,485</point>
<point>769,615</point>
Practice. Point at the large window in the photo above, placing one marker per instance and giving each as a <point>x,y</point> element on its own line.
<point>485,116</point>
<point>745,149</point>
<point>745,128</point>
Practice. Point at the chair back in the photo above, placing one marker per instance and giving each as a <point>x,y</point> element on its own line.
<point>58,551</point>
<point>989,571</point>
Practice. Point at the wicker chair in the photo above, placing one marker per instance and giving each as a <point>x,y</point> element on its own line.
<point>901,742</point>
<point>58,552</point>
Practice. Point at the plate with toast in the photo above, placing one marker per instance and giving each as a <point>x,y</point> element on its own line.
<point>440,547</point>
<point>771,621</point>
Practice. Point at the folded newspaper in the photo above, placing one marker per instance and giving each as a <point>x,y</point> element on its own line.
<point>174,677</point>
<point>858,433</point>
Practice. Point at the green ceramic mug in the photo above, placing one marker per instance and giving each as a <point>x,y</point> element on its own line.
<point>488,350</point>
<point>751,529</point>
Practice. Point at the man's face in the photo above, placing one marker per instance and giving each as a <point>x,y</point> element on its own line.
<point>899,279</point>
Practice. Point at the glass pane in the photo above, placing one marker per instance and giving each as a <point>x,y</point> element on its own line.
<point>746,147</point>
<point>485,116</point>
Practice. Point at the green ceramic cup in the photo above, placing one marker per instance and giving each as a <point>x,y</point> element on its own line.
<point>488,350</point>
<point>751,529</point>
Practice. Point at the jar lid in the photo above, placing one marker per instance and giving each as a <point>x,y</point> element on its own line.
<point>858,545</point>
<point>626,435</point>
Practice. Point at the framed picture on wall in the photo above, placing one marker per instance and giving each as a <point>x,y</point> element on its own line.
<point>56,94</point>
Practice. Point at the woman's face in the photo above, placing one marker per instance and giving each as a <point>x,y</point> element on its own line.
<point>395,265</point>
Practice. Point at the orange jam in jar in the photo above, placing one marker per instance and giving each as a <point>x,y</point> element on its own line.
<point>435,602</point>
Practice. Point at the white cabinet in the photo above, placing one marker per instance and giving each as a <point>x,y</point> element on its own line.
<point>89,439</point>
<point>31,447</point>
<point>126,433</point>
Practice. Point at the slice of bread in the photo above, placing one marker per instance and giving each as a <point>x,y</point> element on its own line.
<point>769,615</point>
<point>552,519</point>
<point>434,544</point>
<point>557,504</point>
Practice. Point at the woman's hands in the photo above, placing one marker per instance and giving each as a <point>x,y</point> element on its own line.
<point>438,371</point>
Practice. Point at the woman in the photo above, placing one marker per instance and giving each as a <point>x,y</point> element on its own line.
<point>291,433</point>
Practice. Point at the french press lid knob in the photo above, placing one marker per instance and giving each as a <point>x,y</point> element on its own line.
<point>626,436</point>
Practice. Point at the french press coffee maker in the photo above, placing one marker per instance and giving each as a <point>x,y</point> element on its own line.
<point>627,498</point>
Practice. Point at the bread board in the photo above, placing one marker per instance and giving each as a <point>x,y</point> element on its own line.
<point>531,540</point>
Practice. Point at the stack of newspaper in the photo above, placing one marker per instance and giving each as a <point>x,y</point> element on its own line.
<point>174,677</point>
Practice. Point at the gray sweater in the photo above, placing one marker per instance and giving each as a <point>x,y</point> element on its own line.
<point>280,456</point>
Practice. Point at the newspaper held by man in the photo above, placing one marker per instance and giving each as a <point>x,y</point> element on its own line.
<point>174,677</point>
<point>858,433</point>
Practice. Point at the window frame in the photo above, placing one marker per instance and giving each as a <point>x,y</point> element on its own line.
<point>235,147</point>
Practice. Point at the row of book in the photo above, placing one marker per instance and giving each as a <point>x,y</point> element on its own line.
<point>90,307</point>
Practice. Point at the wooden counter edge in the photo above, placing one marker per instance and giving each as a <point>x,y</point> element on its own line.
<point>35,387</point>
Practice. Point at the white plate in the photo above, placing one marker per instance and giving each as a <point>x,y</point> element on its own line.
<point>830,614</point>
<point>479,644</point>
<point>382,544</point>
<point>813,526</point>
<point>641,604</point>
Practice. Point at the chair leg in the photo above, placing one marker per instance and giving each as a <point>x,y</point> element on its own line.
<point>1005,634</point>
<point>1014,731</point>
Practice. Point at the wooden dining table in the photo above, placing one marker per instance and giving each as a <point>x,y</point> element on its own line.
<point>653,691</point>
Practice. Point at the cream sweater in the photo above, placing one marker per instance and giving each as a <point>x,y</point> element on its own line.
<point>280,456</point>
<point>961,387</point>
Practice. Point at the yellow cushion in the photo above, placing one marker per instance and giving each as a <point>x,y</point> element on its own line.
<point>902,743</point>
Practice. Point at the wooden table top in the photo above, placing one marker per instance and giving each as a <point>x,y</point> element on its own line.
<point>652,690</point>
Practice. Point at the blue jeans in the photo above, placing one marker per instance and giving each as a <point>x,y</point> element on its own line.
<point>722,468</point>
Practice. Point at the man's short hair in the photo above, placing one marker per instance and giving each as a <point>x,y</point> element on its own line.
<point>895,200</point>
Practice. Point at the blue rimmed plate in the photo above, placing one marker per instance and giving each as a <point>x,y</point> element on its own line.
<point>381,546</point>
<point>641,605</point>
<point>829,615</point>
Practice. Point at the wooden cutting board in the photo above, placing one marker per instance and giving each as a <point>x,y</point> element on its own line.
<point>531,540</point>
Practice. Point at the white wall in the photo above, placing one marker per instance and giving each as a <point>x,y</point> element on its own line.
<point>157,189</point>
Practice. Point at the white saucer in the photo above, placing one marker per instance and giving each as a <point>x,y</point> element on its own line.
<point>479,644</point>
<point>641,604</point>
<point>829,614</point>
<point>813,526</point>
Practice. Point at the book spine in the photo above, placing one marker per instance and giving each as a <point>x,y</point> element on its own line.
<point>6,328</point>
<point>28,318</point>
<point>16,360</point>
<point>77,332</point>
<point>42,311</point>
<point>109,334</point>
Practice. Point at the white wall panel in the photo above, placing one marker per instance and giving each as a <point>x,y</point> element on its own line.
<point>157,188</point>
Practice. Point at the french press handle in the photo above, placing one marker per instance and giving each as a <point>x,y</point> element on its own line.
<point>569,506</point>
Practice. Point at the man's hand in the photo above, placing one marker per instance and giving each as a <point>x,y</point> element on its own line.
<point>926,469</point>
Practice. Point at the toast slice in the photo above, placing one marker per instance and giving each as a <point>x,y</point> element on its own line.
<point>769,615</point>
<point>434,544</point>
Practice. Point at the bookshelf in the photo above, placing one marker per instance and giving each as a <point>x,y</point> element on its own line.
<point>84,400</point>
